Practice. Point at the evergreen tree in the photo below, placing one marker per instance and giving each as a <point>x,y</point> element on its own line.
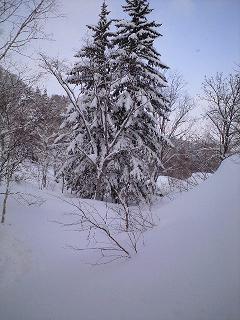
<point>88,142</point>
<point>139,99</point>
<point>45,119</point>
<point>139,60</point>
<point>113,138</point>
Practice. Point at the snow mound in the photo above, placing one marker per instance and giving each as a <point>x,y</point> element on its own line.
<point>189,268</point>
<point>171,187</point>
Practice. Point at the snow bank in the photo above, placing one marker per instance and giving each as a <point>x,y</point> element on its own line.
<point>189,268</point>
<point>170,187</point>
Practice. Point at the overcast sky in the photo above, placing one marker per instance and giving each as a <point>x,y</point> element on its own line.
<point>200,37</point>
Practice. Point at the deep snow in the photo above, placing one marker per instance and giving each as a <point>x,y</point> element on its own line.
<point>189,268</point>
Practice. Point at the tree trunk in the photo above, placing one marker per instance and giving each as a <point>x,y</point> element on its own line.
<point>4,207</point>
<point>98,194</point>
<point>127,218</point>
<point>63,183</point>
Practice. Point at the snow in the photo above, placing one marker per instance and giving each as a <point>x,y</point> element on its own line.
<point>188,269</point>
<point>169,186</point>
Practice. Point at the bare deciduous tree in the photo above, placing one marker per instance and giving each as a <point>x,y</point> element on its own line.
<point>15,128</point>
<point>22,21</point>
<point>177,126</point>
<point>223,97</point>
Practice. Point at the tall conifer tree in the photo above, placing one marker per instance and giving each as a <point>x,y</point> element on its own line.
<point>139,98</point>
<point>114,141</point>
<point>88,141</point>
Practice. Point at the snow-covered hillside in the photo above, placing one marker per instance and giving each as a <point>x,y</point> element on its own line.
<point>189,268</point>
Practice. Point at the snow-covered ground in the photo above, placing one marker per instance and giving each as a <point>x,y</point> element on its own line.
<point>170,187</point>
<point>189,268</point>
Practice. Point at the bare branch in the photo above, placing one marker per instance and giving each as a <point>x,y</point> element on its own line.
<point>24,20</point>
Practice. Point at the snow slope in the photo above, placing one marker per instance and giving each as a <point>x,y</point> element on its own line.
<point>188,270</point>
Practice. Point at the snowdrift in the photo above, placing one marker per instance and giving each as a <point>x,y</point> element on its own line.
<point>189,268</point>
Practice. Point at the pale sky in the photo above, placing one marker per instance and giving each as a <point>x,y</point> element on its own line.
<point>200,37</point>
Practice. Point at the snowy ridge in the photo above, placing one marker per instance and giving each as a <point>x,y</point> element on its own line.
<point>188,269</point>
